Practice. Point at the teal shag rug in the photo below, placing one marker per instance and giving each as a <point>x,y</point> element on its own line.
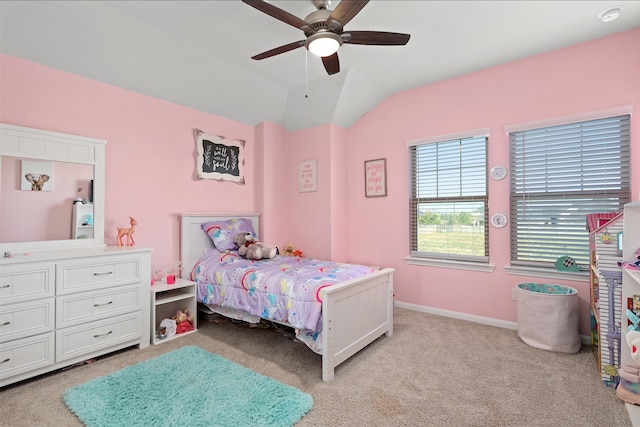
<point>187,387</point>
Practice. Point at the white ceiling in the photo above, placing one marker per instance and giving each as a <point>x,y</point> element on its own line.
<point>198,53</point>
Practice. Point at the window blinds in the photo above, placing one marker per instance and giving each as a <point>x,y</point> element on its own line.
<point>448,197</point>
<point>558,175</point>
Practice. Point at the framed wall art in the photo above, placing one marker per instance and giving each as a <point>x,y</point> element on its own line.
<point>36,176</point>
<point>219,158</point>
<point>375,178</point>
<point>307,176</point>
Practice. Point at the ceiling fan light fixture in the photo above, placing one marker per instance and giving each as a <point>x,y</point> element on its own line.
<point>324,44</point>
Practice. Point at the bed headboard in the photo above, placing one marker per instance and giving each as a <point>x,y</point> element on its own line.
<point>193,239</point>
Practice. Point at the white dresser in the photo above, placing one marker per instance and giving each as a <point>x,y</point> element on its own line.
<point>61,307</point>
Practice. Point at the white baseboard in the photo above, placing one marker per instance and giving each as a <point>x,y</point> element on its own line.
<point>586,340</point>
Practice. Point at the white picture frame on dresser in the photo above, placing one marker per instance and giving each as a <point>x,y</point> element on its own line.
<point>62,307</point>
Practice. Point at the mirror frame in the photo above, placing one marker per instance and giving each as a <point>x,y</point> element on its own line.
<point>30,143</point>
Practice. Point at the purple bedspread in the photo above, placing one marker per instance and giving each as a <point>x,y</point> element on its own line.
<point>283,289</point>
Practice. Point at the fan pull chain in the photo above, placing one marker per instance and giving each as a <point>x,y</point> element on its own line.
<point>306,73</point>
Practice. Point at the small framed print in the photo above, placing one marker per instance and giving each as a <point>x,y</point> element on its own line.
<point>307,176</point>
<point>375,178</point>
<point>36,176</point>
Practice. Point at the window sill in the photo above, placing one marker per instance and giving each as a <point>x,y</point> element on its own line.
<point>581,276</point>
<point>458,265</point>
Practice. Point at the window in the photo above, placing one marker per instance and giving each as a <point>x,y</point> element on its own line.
<point>558,175</point>
<point>448,212</point>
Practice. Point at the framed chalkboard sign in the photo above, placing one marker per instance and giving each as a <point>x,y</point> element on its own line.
<point>219,158</point>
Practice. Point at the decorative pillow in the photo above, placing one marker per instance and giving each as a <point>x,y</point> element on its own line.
<point>222,233</point>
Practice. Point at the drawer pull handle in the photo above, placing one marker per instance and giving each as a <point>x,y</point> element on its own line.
<point>103,274</point>
<point>104,303</point>
<point>5,286</point>
<point>102,335</point>
<point>6,323</point>
<point>6,360</point>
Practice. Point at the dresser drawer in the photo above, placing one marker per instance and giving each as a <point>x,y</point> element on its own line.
<point>82,339</point>
<point>18,283</point>
<point>90,273</point>
<point>95,305</point>
<point>19,356</point>
<point>26,319</point>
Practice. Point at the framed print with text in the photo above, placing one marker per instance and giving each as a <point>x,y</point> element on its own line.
<point>307,176</point>
<point>375,178</point>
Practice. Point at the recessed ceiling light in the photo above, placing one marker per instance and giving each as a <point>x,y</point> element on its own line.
<point>610,14</point>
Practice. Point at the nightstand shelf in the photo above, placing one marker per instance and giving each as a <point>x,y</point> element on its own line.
<point>166,300</point>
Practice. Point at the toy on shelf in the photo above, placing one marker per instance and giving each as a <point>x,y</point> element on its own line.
<point>127,233</point>
<point>184,321</point>
<point>164,271</point>
<point>629,387</point>
<point>634,265</point>
<point>179,324</point>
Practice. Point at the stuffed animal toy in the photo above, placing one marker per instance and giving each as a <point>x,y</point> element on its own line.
<point>288,250</point>
<point>251,248</point>
<point>183,320</point>
<point>634,265</point>
<point>183,316</point>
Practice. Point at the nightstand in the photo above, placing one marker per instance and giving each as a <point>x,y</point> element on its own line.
<point>166,300</point>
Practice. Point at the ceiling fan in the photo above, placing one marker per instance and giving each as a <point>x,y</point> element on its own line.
<point>325,32</point>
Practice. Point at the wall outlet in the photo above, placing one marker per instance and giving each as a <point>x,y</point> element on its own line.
<point>514,294</point>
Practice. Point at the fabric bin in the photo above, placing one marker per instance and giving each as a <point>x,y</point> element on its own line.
<point>548,317</point>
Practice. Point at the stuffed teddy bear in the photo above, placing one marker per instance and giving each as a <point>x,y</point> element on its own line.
<point>288,249</point>
<point>251,248</point>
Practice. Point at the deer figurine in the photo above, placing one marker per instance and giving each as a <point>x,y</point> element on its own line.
<point>127,233</point>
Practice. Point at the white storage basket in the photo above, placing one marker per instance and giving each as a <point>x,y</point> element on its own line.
<point>548,317</point>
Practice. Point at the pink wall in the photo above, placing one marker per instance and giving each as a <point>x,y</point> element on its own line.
<point>594,76</point>
<point>150,160</point>
<point>310,212</point>
<point>272,194</point>
<point>339,202</point>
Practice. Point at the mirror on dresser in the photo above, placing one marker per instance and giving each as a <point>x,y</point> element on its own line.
<point>37,213</point>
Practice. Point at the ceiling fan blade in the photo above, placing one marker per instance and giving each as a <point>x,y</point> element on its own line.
<point>379,38</point>
<point>331,63</point>
<point>276,12</point>
<point>346,10</point>
<point>278,50</point>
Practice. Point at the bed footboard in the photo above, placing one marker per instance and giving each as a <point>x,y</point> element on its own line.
<point>355,313</point>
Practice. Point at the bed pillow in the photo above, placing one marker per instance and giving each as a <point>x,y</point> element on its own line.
<point>222,233</point>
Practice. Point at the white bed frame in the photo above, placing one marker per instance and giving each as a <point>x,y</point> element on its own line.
<point>354,313</point>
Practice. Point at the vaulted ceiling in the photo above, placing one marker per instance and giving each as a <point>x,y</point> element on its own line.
<point>198,53</point>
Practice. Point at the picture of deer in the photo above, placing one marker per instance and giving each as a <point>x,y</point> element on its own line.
<point>37,180</point>
<point>127,233</point>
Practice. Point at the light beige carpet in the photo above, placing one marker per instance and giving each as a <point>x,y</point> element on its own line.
<point>434,371</point>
